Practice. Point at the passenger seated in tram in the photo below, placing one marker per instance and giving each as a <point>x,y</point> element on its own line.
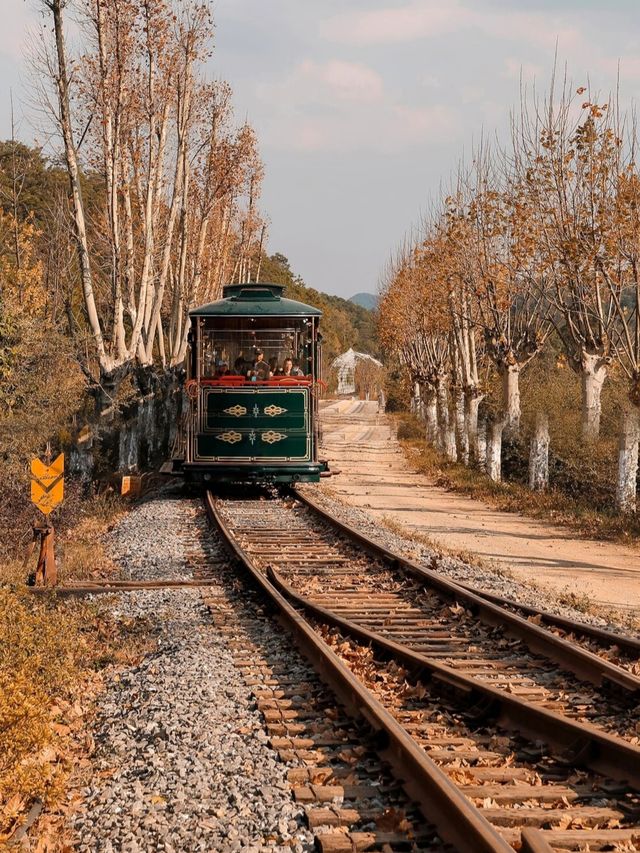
<point>260,369</point>
<point>222,371</point>
<point>291,369</point>
<point>239,367</point>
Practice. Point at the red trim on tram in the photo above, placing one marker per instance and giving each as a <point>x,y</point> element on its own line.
<point>234,381</point>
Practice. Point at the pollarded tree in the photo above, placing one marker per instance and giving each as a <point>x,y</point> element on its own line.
<point>573,151</point>
<point>620,269</point>
<point>434,283</point>
<point>509,304</point>
<point>454,240</point>
<point>414,325</point>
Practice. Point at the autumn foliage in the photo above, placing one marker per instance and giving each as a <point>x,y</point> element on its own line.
<point>533,251</point>
<point>175,211</point>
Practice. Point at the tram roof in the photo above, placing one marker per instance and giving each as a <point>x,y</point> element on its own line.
<point>255,299</point>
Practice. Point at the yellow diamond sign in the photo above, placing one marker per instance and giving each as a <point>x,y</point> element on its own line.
<point>47,485</point>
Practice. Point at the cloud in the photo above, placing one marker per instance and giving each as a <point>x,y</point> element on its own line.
<point>514,68</point>
<point>419,19</point>
<point>404,23</point>
<point>349,81</point>
<point>344,106</point>
<point>629,67</point>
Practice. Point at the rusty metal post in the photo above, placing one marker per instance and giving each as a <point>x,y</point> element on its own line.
<point>46,570</point>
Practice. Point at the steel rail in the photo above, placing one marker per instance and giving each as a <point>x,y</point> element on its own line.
<point>456,819</point>
<point>585,744</point>
<point>626,643</point>
<point>583,663</point>
<point>113,586</point>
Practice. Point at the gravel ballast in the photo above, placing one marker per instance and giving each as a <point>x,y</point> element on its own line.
<point>181,759</point>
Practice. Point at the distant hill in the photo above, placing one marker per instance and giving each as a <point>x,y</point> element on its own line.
<point>366,300</point>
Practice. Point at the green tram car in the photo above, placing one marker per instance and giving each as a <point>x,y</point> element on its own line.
<point>246,423</point>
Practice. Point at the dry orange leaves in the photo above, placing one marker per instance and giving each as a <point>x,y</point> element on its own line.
<point>49,654</point>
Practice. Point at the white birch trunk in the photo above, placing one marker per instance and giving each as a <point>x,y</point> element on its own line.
<point>461,427</point>
<point>471,405</point>
<point>431,415</point>
<point>628,461</point>
<point>416,401</point>
<point>494,450</point>
<point>593,372</point>
<point>62,81</point>
<point>510,374</point>
<point>539,455</point>
<point>449,442</point>
<point>130,272</point>
<point>442,394</point>
<point>480,447</point>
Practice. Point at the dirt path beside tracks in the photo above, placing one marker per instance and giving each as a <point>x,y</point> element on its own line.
<point>377,478</point>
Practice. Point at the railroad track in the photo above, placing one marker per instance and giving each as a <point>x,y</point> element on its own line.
<point>503,723</point>
<point>336,771</point>
<point>621,649</point>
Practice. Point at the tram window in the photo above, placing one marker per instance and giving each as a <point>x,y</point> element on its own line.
<point>232,351</point>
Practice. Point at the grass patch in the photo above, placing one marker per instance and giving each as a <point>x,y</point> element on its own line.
<point>579,514</point>
<point>53,656</point>
<point>80,553</point>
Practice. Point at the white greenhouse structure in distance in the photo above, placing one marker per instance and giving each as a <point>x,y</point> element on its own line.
<point>345,367</point>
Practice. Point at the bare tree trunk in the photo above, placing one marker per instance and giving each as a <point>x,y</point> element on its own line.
<point>480,447</point>
<point>461,427</point>
<point>494,450</point>
<point>442,395</point>
<point>539,455</point>
<point>449,442</point>
<point>442,400</point>
<point>471,405</point>
<point>416,399</point>
<point>593,372</point>
<point>73,171</point>
<point>431,414</point>
<point>628,461</point>
<point>262,233</point>
<point>510,374</point>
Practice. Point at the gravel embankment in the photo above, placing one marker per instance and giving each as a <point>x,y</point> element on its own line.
<point>181,759</point>
<point>480,576</point>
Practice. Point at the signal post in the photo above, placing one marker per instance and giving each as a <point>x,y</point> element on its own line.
<point>47,492</point>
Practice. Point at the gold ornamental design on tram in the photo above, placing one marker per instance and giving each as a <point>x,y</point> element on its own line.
<point>272,437</point>
<point>230,437</point>
<point>272,411</point>
<point>236,411</point>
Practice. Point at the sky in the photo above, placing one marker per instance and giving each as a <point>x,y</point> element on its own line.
<point>364,108</point>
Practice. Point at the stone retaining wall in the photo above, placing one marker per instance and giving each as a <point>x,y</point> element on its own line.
<point>132,437</point>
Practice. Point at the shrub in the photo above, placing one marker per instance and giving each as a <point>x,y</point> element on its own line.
<point>40,650</point>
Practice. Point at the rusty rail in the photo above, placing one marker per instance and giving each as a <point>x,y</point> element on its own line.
<point>583,663</point>
<point>626,643</point>
<point>112,586</point>
<point>584,744</point>
<point>457,821</point>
